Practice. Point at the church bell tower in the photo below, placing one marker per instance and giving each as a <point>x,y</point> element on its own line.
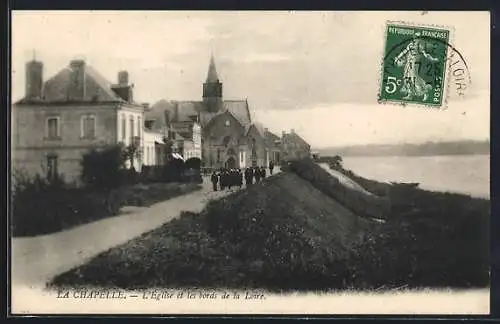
<point>212,89</point>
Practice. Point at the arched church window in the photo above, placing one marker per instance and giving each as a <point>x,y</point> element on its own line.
<point>226,141</point>
<point>253,143</point>
<point>254,149</point>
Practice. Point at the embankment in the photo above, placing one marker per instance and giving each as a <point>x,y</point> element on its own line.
<point>350,195</point>
<point>288,233</point>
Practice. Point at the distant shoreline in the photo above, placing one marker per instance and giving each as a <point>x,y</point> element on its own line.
<point>424,149</point>
<point>407,155</point>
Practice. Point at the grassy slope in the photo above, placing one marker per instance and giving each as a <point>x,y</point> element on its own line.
<point>287,234</point>
<point>282,234</point>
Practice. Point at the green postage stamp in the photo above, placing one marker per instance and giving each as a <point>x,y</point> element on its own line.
<point>414,65</point>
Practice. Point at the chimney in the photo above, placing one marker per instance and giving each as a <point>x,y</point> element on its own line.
<point>123,89</point>
<point>167,117</point>
<point>176,111</point>
<point>34,79</point>
<point>77,86</point>
<point>123,78</point>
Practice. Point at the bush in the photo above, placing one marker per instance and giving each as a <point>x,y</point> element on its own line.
<point>40,206</point>
<point>104,169</point>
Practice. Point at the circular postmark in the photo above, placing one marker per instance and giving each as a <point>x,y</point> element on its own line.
<point>425,70</point>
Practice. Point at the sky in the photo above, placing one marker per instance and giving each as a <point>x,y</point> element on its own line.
<point>314,72</point>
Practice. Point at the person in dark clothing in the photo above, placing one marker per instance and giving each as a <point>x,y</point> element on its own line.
<point>230,179</point>
<point>271,167</point>
<point>256,174</point>
<point>215,180</point>
<point>248,176</point>
<point>223,179</point>
<point>240,178</point>
<point>262,173</point>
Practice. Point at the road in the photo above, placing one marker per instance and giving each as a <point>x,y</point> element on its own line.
<point>345,180</point>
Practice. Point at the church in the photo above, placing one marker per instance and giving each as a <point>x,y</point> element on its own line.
<point>219,132</point>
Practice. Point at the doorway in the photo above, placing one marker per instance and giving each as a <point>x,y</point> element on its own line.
<point>231,163</point>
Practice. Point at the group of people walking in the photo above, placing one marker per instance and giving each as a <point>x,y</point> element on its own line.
<point>228,178</point>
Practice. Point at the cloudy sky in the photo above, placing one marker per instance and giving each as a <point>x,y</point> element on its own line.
<point>315,72</point>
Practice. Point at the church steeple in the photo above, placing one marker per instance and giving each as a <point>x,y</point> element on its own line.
<point>212,76</point>
<point>212,88</point>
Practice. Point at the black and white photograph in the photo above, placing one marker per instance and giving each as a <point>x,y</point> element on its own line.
<point>250,162</point>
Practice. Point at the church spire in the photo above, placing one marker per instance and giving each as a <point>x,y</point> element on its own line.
<point>212,88</point>
<point>212,76</point>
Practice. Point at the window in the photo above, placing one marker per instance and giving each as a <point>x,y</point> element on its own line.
<point>254,149</point>
<point>226,141</point>
<point>139,126</point>
<point>131,130</point>
<point>124,128</point>
<point>53,127</point>
<point>218,155</point>
<point>51,167</point>
<point>228,122</point>
<point>88,126</point>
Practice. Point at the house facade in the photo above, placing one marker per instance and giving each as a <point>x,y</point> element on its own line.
<point>74,111</point>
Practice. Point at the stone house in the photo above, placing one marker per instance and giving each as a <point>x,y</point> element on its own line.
<point>72,112</point>
<point>293,146</point>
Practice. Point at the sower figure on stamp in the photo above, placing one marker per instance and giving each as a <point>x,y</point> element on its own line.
<point>413,83</point>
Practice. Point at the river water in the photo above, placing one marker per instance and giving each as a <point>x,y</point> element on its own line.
<point>469,174</point>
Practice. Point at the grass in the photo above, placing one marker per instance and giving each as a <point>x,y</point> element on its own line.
<point>286,234</point>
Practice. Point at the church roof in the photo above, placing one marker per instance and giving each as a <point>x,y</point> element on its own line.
<point>258,127</point>
<point>97,88</point>
<point>212,76</point>
<point>183,111</point>
<point>271,137</point>
<point>239,109</point>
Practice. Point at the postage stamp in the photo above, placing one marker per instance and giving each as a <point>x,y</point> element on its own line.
<point>415,65</point>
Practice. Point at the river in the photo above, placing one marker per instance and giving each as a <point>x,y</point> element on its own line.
<point>468,174</point>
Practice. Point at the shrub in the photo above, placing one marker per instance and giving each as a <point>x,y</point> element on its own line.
<point>40,206</point>
<point>104,168</point>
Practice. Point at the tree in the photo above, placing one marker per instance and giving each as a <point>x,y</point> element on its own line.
<point>133,152</point>
<point>335,162</point>
<point>103,169</point>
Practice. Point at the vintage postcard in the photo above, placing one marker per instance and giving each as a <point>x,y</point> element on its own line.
<point>250,162</point>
